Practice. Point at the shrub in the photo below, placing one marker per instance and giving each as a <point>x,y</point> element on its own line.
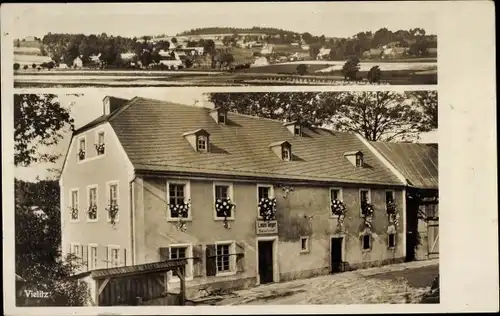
<point>16,66</point>
<point>33,66</point>
<point>374,75</point>
<point>25,67</point>
<point>351,68</point>
<point>302,69</point>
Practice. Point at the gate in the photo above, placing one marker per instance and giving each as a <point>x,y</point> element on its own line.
<point>433,239</point>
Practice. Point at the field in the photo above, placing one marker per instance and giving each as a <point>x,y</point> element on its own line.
<point>319,73</point>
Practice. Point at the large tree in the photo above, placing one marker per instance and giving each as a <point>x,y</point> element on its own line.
<point>39,121</point>
<point>427,101</point>
<point>381,116</point>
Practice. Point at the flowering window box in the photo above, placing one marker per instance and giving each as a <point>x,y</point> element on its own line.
<point>367,210</point>
<point>112,210</point>
<point>267,209</point>
<point>100,148</point>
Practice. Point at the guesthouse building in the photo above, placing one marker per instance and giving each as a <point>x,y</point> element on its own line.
<point>245,200</point>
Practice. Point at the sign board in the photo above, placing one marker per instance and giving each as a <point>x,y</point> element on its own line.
<point>266,227</point>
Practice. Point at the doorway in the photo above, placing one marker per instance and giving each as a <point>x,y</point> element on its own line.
<point>265,250</point>
<point>336,254</point>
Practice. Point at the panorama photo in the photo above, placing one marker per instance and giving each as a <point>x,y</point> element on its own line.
<point>252,44</point>
<point>188,197</point>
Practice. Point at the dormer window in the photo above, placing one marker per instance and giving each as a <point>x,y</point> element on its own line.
<point>219,115</point>
<point>297,130</point>
<point>286,154</point>
<point>199,140</point>
<point>359,160</point>
<point>282,149</point>
<point>355,157</point>
<point>202,143</point>
<point>294,127</point>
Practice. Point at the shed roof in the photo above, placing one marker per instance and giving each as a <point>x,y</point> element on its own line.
<point>418,163</point>
<point>134,269</point>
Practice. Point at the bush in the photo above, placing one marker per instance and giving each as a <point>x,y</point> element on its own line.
<point>302,69</point>
<point>33,66</point>
<point>351,68</point>
<point>374,75</point>
<point>16,66</point>
<point>25,67</point>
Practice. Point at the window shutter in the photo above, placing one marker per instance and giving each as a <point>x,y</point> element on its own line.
<point>164,253</point>
<point>211,257</point>
<point>85,256</point>
<point>240,257</point>
<point>198,260</point>
<point>108,257</point>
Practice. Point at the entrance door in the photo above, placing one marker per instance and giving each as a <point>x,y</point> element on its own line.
<point>336,254</point>
<point>266,261</point>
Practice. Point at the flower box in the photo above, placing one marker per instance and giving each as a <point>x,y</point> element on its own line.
<point>180,210</point>
<point>223,208</point>
<point>81,154</point>
<point>112,210</point>
<point>267,208</point>
<point>74,213</point>
<point>99,148</point>
<point>367,210</point>
<point>92,211</point>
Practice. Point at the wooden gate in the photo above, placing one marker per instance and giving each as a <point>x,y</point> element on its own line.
<point>433,239</point>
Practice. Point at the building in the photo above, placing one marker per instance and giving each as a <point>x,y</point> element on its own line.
<point>147,181</point>
<point>267,49</point>
<point>323,53</point>
<point>77,62</point>
<point>260,61</point>
<point>305,47</point>
<point>418,165</point>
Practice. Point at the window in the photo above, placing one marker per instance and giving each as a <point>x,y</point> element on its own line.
<point>114,257</point>
<point>297,130</point>
<point>221,117</point>
<point>304,244</point>
<point>100,144</point>
<point>389,197</point>
<point>182,252</point>
<point>364,197</point>
<point>359,160</point>
<point>81,149</point>
<point>335,194</point>
<point>74,205</point>
<point>112,207</point>
<point>367,242</point>
<point>264,192</point>
<point>202,143</point>
<point>392,240</point>
<point>92,203</point>
<point>223,258</point>
<point>223,192</point>
<point>178,199</point>
<point>286,154</point>
<point>76,250</point>
<point>93,257</point>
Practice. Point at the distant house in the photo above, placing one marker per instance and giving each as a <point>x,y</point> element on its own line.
<point>260,61</point>
<point>63,66</point>
<point>323,53</point>
<point>295,44</point>
<point>394,52</point>
<point>29,39</point>
<point>77,62</point>
<point>305,47</point>
<point>267,50</point>
<point>171,63</point>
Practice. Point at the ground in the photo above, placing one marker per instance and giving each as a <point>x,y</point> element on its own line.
<point>396,284</point>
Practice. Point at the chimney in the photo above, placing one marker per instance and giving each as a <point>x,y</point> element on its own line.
<point>111,104</point>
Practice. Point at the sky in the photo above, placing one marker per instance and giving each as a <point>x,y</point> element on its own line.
<point>88,106</point>
<point>332,19</point>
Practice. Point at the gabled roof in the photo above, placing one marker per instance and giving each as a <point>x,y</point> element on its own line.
<point>151,133</point>
<point>418,163</point>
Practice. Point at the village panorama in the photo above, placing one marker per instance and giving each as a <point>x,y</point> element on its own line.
<point>220,56</point>
<point>137,197</point>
